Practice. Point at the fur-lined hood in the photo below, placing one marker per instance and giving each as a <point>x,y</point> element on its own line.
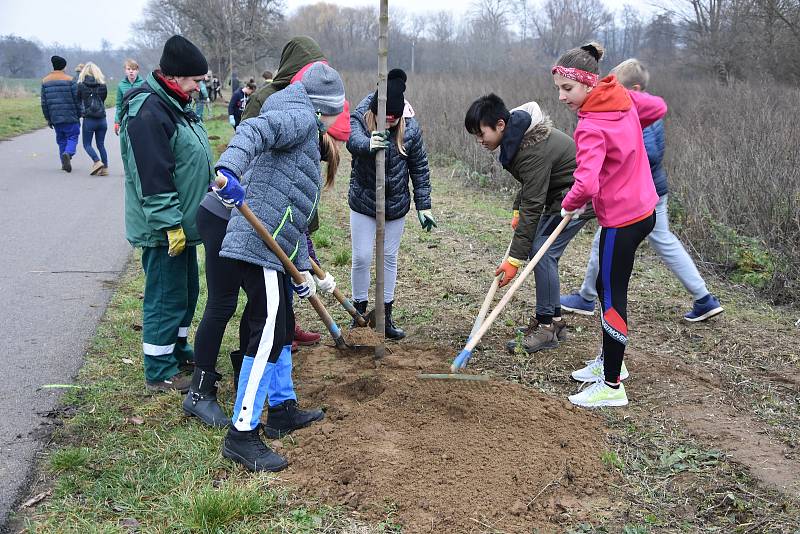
<point>537,132</point>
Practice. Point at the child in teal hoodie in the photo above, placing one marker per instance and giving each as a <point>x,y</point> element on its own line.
<point>130,81</point>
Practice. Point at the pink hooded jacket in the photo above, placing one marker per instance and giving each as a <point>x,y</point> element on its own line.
<point>613,171</point>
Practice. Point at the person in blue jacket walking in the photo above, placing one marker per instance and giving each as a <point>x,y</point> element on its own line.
<point>278,155</point>
<point>62,110</point>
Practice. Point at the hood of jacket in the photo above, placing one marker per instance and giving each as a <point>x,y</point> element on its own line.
<point>609,100</point>
<point>89,81</point>
<point>296,54</point>
<point>518,125</point>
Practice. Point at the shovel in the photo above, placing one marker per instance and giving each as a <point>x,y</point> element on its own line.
<point>344,301</point>
<point>367,340</point>
<point>315,301</point>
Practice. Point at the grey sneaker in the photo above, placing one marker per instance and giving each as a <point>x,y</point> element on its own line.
<point>544,337</point>
<point>176,383</point>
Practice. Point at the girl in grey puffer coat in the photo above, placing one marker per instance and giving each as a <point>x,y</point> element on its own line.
<point>279,153</point>
<point>406,159</point>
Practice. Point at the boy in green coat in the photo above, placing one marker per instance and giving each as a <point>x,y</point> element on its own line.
<point>542,159</point>
<point>168,168</point>
<point>130,81</point>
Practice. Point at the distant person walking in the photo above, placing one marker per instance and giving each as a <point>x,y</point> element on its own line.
<point>78,70</point>
<point>267,76</point>
<point>92,93</point>
<point>216,88</point>
<point>238,102</point>
<point>168,170</point>
<point>131,80</point>
<point>61,109</point>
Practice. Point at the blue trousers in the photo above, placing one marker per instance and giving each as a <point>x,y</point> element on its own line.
<point>96,128</point>
<point>67,137</point>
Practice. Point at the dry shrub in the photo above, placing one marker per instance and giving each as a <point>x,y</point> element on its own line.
<point>731,157</point>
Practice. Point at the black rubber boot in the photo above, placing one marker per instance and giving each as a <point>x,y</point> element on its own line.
<point>361,307</point>
<point>201,400</point>
<point>392,331</point>
<point>246,448</point>
<point>236,361</point>
<point>287,417</point>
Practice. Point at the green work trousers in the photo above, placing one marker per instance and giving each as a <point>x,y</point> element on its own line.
<point>170,297</point>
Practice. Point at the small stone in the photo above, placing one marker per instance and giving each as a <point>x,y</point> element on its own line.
<point>277,445</point>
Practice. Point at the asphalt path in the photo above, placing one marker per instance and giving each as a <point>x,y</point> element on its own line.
<point>62,248</point>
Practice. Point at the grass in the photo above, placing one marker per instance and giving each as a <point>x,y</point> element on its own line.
<point>21,110</point>
<point>124,457</point>
<point>19,115</point>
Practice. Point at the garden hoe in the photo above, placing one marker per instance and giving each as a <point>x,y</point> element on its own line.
<point>291,270</point>
<point>463,357</point>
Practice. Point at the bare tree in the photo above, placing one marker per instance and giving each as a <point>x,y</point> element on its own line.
<point>232,33</point>
<point>564,24</point>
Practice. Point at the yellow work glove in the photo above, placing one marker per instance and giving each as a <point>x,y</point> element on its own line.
<point>515,219</point>
<point>177,241</point>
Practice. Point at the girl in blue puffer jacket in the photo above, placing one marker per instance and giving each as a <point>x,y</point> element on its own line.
<point>405,158</point>
<point>279,152</point>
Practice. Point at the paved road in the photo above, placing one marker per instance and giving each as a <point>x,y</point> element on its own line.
<point>62,242</point>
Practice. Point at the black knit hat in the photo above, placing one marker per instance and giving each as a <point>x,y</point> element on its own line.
<point>182,58</point>
<point>58,62</point>
<point>395,89</point>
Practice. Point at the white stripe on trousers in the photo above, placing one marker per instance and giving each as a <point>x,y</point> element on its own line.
<point>262,355</point>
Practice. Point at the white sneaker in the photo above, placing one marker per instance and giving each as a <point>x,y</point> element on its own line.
<point>600,394</point>
<point>594,371</point>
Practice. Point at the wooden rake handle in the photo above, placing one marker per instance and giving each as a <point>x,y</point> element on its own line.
<point>488,300</point>
<point>473,342</point>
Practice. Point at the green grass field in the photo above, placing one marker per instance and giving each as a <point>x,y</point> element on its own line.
<point>20,115</point>
<point>20,107</point>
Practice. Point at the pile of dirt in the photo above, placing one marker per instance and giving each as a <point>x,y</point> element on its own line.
<point>446,456</point>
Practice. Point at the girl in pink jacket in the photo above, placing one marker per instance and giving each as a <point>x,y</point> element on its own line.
<point>614,174</point>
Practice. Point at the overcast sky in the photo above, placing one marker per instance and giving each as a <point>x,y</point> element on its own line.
<point>87,22</point>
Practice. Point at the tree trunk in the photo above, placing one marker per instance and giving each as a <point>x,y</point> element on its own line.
<point>380,180</point>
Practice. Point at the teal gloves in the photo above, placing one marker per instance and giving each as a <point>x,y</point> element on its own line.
<point>379,140</point>
<point>426,220</point>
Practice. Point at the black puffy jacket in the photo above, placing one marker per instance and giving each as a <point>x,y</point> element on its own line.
<point>92,96</point>
<point>399,168</point>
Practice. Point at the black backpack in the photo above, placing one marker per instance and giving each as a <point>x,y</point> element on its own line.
<point>94,106</point>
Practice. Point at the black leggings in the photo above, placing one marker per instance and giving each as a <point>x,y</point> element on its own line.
<point>223,280</point>
<point>617,252</point>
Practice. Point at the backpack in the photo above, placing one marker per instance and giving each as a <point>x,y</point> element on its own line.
<point>94,107</point>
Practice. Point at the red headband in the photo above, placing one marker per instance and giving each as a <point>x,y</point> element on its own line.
<point>580,76</point>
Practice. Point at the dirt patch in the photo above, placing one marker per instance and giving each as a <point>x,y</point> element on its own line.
<point>445,456</point>
<point>362,336</point>
<point>701,400</point>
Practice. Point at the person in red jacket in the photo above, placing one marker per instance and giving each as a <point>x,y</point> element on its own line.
<point>613,173</point>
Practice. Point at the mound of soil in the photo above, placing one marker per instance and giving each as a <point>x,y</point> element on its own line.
<point>446,456</point>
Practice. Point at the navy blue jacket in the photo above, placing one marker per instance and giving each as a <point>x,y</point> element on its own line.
<point>654,144</point>
<point>399,168</point>
<point>59,97</point>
